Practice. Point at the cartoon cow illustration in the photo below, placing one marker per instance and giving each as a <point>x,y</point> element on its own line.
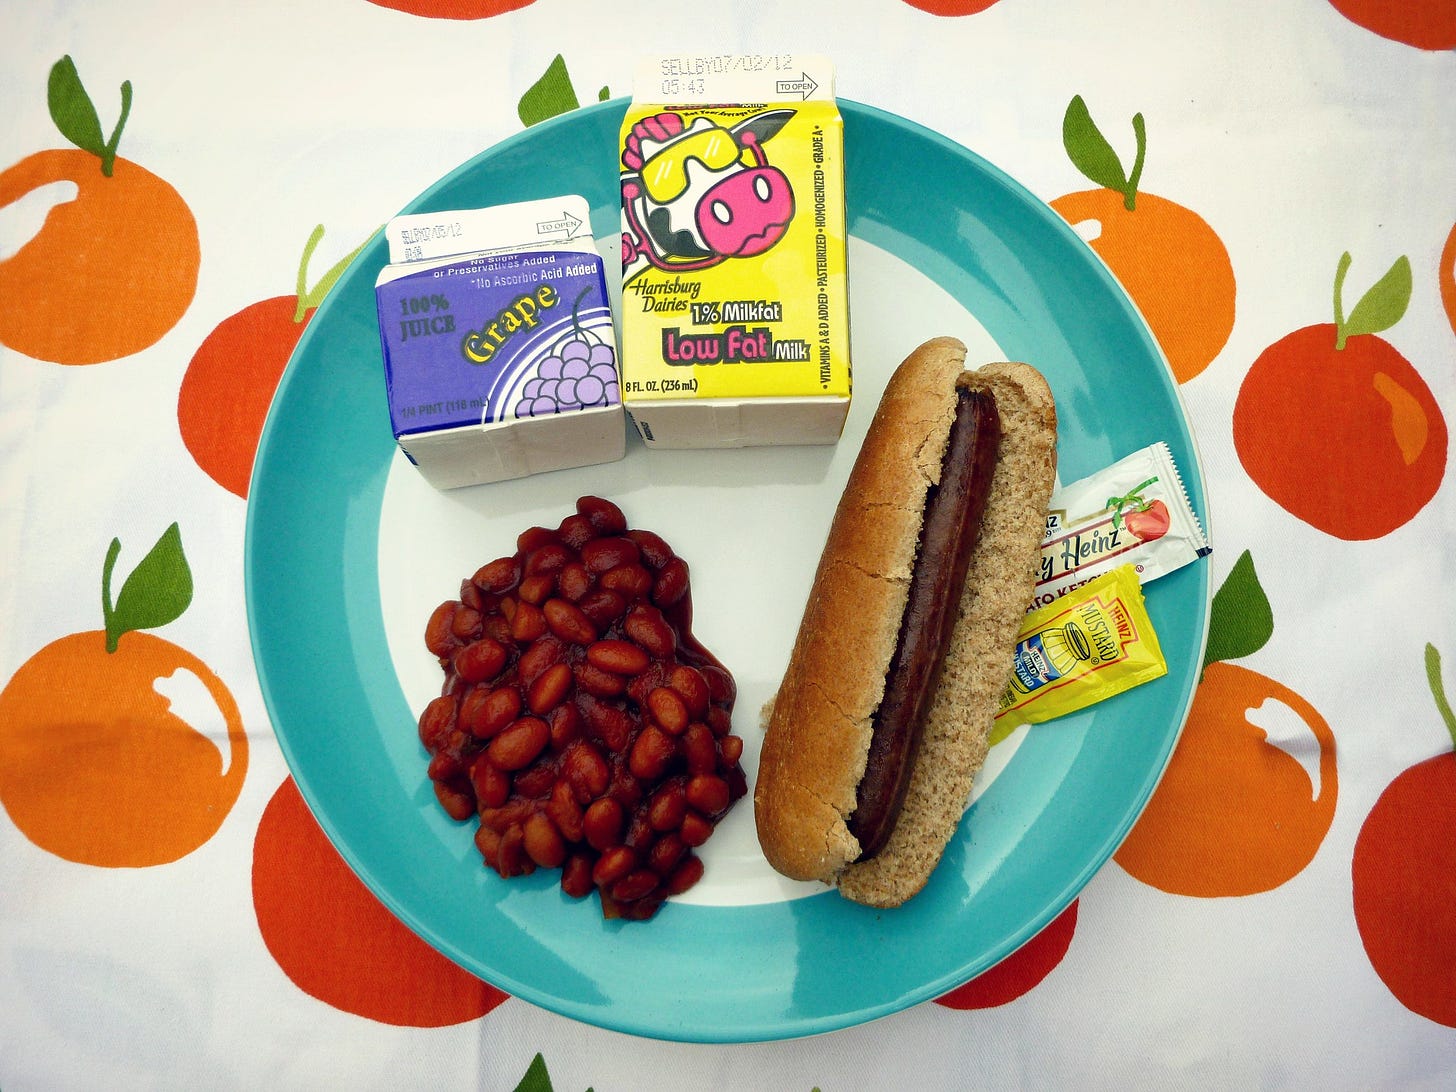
<point>695,194</point>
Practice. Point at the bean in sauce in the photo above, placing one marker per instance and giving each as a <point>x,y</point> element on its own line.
<point>579,721</point>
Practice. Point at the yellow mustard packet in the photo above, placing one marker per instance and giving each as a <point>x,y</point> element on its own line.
<point>1092,643</point>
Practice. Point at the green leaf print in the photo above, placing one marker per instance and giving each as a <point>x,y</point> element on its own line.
<point>158,590</point>
<point>1091,153</point>
<point>552,94</point>
<point>1438,690</point>
<point>75,114</point>
<point>1241,620</point>
<point>1380,308</point>
<point>536,1078</point>
<point>310,298</point>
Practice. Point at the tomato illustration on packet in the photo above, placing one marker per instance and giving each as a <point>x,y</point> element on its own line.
<point>1144,519</point>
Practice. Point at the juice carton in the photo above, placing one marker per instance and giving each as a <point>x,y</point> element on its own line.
<point>499,348</point>
<point>735,302</point>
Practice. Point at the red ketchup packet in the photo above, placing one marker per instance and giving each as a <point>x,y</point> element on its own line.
<point>1135,512</point>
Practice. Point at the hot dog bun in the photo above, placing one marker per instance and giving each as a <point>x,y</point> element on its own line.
<point>818,727</point>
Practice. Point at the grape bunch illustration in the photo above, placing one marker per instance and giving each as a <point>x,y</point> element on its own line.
<point>580,373</point>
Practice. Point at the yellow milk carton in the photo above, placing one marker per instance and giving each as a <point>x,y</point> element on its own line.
<point>735,298</point>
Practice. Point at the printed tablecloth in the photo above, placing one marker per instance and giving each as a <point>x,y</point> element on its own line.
<point>1273,184</point>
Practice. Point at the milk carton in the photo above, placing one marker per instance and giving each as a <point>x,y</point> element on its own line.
<point>499,348</point>
<point>735,303</point>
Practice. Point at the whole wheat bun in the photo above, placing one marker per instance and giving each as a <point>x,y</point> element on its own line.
<point>818,727</point>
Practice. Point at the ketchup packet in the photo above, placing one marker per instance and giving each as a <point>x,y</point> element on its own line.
<point>1135,512</point>
<point>1091,644</point>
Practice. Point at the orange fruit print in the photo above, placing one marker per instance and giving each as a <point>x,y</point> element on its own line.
<point>230,381</point>
<point>337,942</point>
<point>1234,814</point>
<point>1166,257</point>
<point>110,271</point>
<point>1336,427</point>
<point>1403,877</point>
<point>94,765</point>
<point>1426,24</point>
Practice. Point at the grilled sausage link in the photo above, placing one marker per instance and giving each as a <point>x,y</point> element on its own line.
<point>950,527</point>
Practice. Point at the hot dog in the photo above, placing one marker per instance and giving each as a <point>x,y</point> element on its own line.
<point>881,721</point>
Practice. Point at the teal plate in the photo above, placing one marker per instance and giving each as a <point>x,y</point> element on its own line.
<point>1053,817</point>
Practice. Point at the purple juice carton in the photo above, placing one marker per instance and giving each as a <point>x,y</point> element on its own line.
<point>500,352</point>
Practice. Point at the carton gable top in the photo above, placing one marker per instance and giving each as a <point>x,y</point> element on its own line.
<point>704,78</point>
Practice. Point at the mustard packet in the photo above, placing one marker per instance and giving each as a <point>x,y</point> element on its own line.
<point>1092,643</point>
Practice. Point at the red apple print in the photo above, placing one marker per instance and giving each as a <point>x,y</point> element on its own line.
<point>1338,428</point>
<point>1019,972</point>
<point>1446,278</point>
<point>951,7</point>
<point>229,384</point>
<point>1425,24</point>
<point>1403,877</point>
<point>337,942</point>
<point>453,9</point>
